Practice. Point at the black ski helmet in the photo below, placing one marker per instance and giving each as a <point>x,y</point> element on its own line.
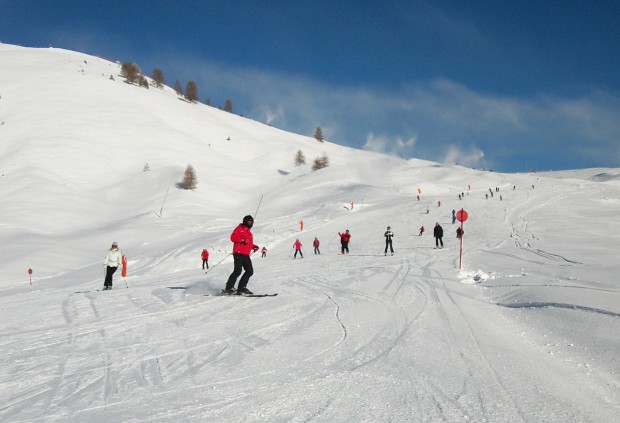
<point>248,221</point>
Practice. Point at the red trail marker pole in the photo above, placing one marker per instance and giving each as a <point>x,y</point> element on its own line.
<point>124,271</point>
<point>461,216</point>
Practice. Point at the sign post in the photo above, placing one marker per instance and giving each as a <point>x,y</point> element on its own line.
<point>461,216</point>
<point>124,271</point>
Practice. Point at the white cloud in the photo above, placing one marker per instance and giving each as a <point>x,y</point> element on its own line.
<point>427,119</point>
<point>395,147</point>
<point>470,158</point>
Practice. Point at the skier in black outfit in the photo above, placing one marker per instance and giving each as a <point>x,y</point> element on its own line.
<point>438,234</point>
<point>388,240</point>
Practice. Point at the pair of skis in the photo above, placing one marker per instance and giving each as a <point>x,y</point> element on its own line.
<point>228,294</point>
<point>234,294</point>
<point>223,294</point>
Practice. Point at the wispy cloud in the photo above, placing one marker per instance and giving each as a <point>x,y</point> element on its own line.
<point>469,158</point>
<point>399,147</point>
<point>438,120</point>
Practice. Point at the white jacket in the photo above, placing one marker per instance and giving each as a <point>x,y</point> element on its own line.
<point>114,258</point>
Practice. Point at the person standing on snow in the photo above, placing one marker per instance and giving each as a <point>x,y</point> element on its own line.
<point>113,261</point>
<point>421,230</point>
<point>344,241</point>
<point>205,258</point>
<point>438,234</point>
<point>316,243</point>
<point>297,246</point>
<point>243,246</point>
<point>264,252</point>
<point>388,240</point>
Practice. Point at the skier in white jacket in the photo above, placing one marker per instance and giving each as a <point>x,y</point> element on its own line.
<point>113,261</point>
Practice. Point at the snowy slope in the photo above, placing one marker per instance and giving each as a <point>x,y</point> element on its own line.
<point>527,331</point>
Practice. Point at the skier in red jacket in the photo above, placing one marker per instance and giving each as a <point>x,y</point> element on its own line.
<point>344,241</point>
<point>205,258</point>
<point>316,246</point>
<point>243,246</point>
<point>297,246</point>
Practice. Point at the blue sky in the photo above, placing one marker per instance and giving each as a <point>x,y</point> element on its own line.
<point>504,85</point>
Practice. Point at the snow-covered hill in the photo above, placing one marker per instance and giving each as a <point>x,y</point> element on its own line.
<point>528,330</point>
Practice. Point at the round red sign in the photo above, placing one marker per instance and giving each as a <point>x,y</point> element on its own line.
<point>461,215</point>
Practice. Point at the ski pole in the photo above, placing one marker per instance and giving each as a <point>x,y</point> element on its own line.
<point>217,264</point>
<point>126,283</point>
<point>258,207</point>
<point>161,210</point>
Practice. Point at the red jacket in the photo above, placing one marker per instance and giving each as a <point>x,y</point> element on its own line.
<point>345,237</point>
<point>243,240</point>
<point>316,243</point>
<point>297,245</point>
<point>205,255</point>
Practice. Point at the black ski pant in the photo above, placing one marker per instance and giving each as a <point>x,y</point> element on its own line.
<point>345,247</point>
<point>300,253</point>
<point>388,243</point>
<point>242,263</point>
<point>438,240</point>
<point>205,263</point>
<point>316,250</point>
<point>108,276</point>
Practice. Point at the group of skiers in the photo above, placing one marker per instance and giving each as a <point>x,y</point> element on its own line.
<point>297,246</point>
<point>243,247</point>
<point>438,234</point>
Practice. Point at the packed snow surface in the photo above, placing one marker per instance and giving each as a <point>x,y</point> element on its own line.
<point>525,327</point>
